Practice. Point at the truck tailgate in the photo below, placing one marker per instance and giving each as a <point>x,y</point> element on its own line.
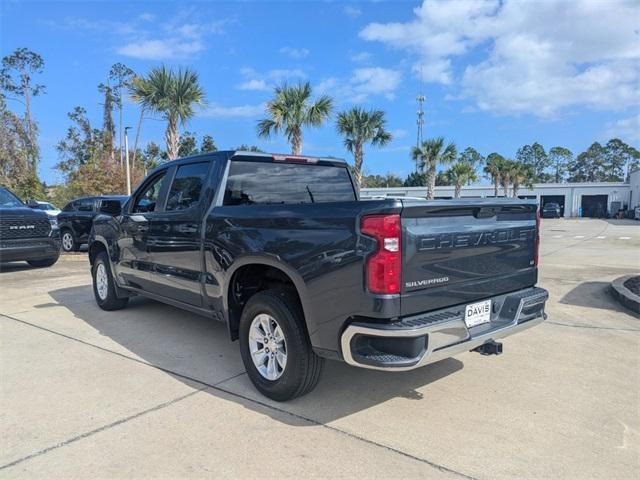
<point>466,250</point>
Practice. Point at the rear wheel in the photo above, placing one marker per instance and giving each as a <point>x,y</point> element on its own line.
<point>275,347</point>
<point>45,262</point>
<point>104,288</point>
<point>68,241</point>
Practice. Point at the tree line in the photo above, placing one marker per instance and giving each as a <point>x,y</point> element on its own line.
<point>610,162</point>
<point>91,158</point>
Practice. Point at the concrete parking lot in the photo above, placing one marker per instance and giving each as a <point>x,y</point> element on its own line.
<point>155,392</point>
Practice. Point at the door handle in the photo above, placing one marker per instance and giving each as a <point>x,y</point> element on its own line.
<point>138,218</point>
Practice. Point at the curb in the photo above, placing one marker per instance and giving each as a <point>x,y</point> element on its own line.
<point>624,295</point>
<point>74,257</point>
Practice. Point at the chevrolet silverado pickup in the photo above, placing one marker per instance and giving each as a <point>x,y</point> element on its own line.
<point>281,249</point>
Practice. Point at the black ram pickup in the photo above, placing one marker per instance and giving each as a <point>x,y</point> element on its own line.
<point>26,234</point>
<point>281,249</point>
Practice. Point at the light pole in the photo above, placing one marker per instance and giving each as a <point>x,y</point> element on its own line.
<point>126,154</point>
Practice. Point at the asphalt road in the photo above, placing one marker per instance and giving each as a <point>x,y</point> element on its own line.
<point>155,392</point>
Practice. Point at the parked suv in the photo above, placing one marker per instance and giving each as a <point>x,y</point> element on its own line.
<point>280,248</point>
<point>551,210</point>
<point>26,234</point>
<point>76,218</point>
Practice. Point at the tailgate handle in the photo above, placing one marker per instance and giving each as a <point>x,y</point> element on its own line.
<point>487,212</point>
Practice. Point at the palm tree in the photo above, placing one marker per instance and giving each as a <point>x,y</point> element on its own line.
<point>459,174</point>
<point>173,95</point>
<point>520,174</point>
<point>290,110</point>
<point>494,168</point>
<point>358,127</point>
<point>431,153</point>
<point>505,171</point>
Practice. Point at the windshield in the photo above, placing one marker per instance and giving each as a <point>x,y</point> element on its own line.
<point>8,199</point>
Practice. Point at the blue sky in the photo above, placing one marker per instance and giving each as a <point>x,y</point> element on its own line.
<point>496,75</point>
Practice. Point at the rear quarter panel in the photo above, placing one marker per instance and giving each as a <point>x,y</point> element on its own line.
<point>317,245</point>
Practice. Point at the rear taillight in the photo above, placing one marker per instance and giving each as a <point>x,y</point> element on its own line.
<point>384,266</point>
<point>536,254</point>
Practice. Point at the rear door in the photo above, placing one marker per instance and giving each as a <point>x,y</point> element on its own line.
<point>459,252</point>
<point>174,237</point>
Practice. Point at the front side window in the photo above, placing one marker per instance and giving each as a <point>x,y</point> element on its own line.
<point>251,183</point>
<point>187,185</point>
<point>85,205</point>
<point>147,200</point>
<point>8,199</point>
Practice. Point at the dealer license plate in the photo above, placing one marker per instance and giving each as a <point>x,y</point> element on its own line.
<point>477,313</point>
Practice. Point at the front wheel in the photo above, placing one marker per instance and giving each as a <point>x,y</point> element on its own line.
<point>275,347</point>
<point>104,288</point>
<point>69,243</point>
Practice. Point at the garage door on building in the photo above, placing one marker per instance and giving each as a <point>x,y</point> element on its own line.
<point>594,205</point>
<point>559,199</point>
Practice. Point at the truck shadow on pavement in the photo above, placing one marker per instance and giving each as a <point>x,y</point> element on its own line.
<point>593,295</point>
<point>190,347</point>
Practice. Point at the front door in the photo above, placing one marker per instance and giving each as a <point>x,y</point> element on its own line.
<point>174,237</point>
<point>135,264</point>
<point>82,220</point>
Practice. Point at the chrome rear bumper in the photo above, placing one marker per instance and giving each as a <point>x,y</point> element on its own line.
<point>439,335</point>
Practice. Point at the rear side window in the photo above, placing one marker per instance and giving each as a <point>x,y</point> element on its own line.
<point>251,183</point>
<point>187,185</point>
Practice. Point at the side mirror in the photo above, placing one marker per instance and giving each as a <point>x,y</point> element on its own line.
<point>31,203</point>
<point>111,207</point>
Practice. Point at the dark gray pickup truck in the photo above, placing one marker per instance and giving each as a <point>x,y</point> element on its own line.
<point>281,249</point>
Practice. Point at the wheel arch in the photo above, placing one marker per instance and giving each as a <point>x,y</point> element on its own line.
<point>254,274</point>
<point>95,247</point>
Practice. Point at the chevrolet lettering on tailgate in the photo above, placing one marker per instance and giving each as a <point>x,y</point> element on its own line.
<point>476,239</point>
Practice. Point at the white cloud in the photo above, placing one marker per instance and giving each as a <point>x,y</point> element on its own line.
<point>239,111</point>
<point>375,80</point>
<point>268,80</point>
<point>146,37</point>
<point>528,57</point>
<point>360,57</point>
<point>352,11</point>
<point>280,74</point>
<point>398,133</point>
<point>160,49</point>
<point>254,84</point>
<point>626,129</point>
<point>295,53</point>
<point>363,83</point>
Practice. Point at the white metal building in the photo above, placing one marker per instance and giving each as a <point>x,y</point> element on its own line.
<point>575,199</point>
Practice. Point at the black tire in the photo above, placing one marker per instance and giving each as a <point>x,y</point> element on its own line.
<point>68,241</point>
<point>303,367</point>
<point>45,262</point>
<point>110,301</point>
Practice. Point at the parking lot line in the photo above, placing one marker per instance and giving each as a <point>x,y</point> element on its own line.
<point>218,386</point>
